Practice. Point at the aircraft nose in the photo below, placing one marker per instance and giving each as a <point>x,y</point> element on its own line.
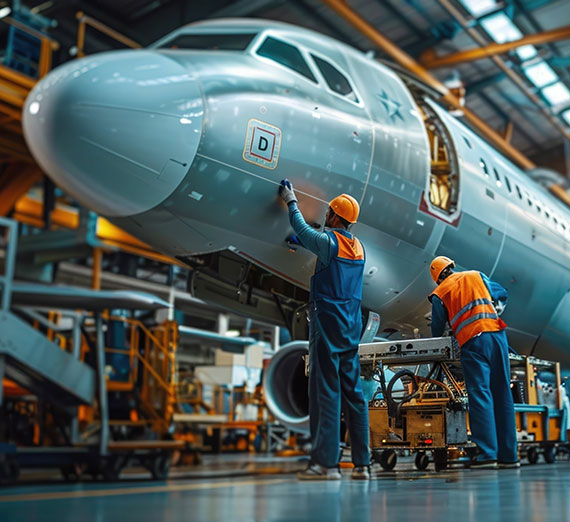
<point>118,131</point>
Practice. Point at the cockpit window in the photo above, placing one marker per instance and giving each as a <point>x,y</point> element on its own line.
<point>210,42</point>
<point>287,55</point>
<point>335,79</point>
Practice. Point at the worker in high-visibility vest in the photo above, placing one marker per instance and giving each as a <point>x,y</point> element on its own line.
<point>334,334</point>
<point>469,301</point>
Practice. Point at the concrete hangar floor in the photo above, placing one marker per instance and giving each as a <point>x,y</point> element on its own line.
<point>267,490</point>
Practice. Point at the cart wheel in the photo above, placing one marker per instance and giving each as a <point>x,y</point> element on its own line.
<point>550,454</point>
<point>9,470</point>
<point>113,467</point>
<point>532,455</point>
<point>160,466</point>
<point>387,459</point>
<point>422,460</point>
<point>72,472</point>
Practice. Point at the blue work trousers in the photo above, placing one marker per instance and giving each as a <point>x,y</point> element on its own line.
<point>334,381</point>
<point>486,368</point>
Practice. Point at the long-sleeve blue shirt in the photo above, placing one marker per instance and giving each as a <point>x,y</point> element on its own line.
<point>317,242</point>
<point>439,317</point>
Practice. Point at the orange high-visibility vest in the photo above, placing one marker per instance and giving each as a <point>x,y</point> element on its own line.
<point>469,306</point>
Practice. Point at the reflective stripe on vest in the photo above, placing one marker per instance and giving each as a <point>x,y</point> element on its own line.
<point>471,305</point>
<point>468,303</point>
<point>472,319</point>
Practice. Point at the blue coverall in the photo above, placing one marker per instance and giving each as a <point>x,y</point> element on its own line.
<point>334,333</point>
<point>486,368</point>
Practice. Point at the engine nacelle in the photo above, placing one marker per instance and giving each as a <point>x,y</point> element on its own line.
<point>285,386</point>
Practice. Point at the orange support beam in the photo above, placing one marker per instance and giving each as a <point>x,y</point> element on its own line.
<point>29,210</point>
<point>430,60</point>
<point>561,193</point>
<point>506,68</point>
<point>97,268</point>
<point>16,181</point>
<point>349,15</point>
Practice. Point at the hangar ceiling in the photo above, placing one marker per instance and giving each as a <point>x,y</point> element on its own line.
<point>422,28</point>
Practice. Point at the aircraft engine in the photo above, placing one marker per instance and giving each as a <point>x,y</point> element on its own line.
<point>285,386</point>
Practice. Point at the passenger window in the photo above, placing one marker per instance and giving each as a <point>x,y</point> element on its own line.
<point>497,177</point>
<point>335,79</point>
<point>287,55</point>
<point>519,192</point>
<point>538,208</point>
<point>547,214</point>
<point>484,167</point>
<point>210,42</point>
<point>509,188</point>
<point>467,142</point>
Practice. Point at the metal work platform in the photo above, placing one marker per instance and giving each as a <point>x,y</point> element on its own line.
<point>30,359</point>
<point>410,351</point>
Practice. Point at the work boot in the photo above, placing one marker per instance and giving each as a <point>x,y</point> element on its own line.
<point>509,465</point>
<point>483,464</point>
<point>318,472</point>
<point>360,473</point>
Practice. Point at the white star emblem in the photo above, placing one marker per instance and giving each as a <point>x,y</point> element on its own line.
<point>392,106</point>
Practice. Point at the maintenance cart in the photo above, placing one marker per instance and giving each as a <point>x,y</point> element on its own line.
<point>420,404</point>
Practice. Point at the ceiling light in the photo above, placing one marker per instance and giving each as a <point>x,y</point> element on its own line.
<point>501,28</point>
<point>557,93</point>
<point>526,52</point>
<point>5,11</point>
<point>540,74</point>
<point>479,7</point>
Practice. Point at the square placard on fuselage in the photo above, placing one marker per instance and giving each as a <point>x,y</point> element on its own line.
<point>262,144</point>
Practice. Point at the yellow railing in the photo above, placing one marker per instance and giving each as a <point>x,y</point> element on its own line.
<point>158,386</point>
<point>85,20</point>
<point>48,45</point>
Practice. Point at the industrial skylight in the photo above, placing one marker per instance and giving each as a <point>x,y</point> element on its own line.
<point>566,116</point>
<point>526,52</point>
<point>557,93</point>
<point>502,29</point>
<point>541,74</point>
<point>479,7</point>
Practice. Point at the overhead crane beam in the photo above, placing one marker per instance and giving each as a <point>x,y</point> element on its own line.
<point>405,60</point>
<point>430,60</point>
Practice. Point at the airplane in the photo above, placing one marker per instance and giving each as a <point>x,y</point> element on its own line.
<point>184,143</point>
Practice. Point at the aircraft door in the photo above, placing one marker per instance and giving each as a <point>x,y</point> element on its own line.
<point>475,236</point>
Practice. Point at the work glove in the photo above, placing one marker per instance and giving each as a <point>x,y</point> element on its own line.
<point>286,192</point>
<point>499,306</point>
<point>292,242</point>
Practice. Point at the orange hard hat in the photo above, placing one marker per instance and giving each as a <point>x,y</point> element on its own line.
<point>438,265</point>
<point>346,207</point>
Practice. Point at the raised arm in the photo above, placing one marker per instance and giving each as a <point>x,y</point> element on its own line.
<point>317,242</point>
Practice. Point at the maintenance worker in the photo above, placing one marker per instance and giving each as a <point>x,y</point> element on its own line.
<point>334,333</point>
<point>469,301</point>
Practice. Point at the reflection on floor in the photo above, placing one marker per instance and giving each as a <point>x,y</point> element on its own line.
<point>534,493</point>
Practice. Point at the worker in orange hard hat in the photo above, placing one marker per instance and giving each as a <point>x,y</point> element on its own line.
<point>471,303</point>
<point>334,334</point>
